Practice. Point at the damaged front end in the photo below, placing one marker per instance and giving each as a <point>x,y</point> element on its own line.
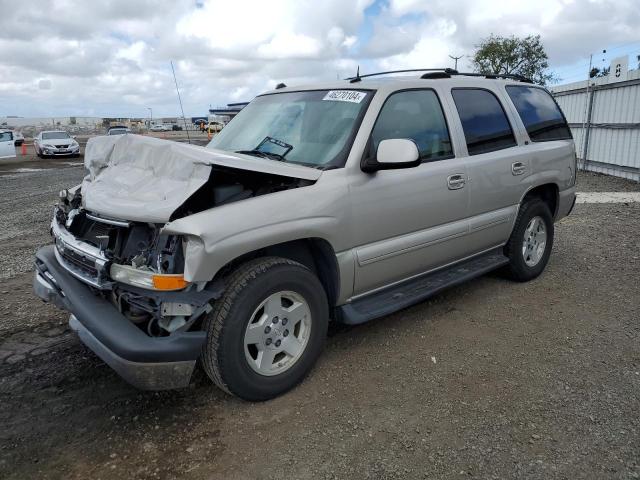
<point>114,267</point>
<point>123,283</point>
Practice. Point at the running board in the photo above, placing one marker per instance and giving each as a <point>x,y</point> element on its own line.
<point>416,290</point>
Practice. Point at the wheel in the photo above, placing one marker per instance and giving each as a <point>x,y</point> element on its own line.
<point>267,330</point>
<point>531,241</point>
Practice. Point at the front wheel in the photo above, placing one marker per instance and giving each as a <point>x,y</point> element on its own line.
<point>267,330</point>
<point>530,244</point>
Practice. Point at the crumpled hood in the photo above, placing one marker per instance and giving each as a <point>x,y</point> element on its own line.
<point>137,178</point>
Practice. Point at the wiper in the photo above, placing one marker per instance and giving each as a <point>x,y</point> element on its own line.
<point>255,153</point>
<point>261,154</point>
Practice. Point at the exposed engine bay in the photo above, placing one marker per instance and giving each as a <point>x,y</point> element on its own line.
<point>227,185</point>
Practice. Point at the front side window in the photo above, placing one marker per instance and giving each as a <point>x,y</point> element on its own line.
<point>311,128</point>
<point>486,127</point>
<point>415,115</point>
<point>6,136</point>
<point>540,114</point>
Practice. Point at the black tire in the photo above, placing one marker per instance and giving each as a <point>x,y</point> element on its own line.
<point>517,269</point>
<point>223,356</point>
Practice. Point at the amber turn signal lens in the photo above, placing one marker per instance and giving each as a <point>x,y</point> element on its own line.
<point>169,282</point>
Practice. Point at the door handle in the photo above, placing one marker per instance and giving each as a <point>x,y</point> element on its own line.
<point>455,181</point>
<point>518,168</point>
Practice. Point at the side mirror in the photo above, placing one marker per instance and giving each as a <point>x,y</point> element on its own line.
<point>393,153</point>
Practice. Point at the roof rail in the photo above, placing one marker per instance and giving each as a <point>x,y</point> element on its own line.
<point>434,73</point>
<point>511,76</point>
<point>358,76</point>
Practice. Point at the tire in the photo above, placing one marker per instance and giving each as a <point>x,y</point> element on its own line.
<point>527,258</point>
<point>231,363</point>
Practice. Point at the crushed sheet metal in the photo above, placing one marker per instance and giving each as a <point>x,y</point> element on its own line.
<point>607,197</point>
<point>146,179</point>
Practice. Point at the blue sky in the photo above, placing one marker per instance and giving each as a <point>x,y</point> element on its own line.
<point>111,58</point>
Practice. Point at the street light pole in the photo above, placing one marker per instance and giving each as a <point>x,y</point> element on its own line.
<point>456,60</point>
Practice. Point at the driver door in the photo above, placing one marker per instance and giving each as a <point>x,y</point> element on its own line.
<point>409,221</point>
<point>7,147</point>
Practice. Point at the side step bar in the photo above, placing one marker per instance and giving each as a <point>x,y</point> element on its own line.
<point>416,290</point>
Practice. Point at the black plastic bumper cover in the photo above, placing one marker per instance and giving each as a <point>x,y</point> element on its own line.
<point>117,337</point>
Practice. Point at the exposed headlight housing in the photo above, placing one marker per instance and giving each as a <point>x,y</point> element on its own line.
<point>147,278</point>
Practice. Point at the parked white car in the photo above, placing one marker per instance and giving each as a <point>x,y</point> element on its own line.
<point>159,128</point>
<point>7,147</point>
<point>56,144</point>
<point>118,131</point>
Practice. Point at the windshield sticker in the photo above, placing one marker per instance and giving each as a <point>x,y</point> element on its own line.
<point>345,96</point>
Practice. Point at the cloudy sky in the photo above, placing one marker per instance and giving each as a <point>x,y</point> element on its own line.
<point>111,58</point>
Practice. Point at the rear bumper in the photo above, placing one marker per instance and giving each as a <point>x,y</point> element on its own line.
<point>149,363</point>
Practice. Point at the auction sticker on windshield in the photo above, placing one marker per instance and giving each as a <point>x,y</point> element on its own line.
<point>345,96</point>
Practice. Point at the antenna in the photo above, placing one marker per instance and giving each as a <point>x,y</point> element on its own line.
<point>180,101</point>
<point>357,77</point>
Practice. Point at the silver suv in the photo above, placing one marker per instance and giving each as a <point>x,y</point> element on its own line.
<point>341,201</point>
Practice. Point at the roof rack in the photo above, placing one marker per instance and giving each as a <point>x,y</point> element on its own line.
<point>358,77</point>
<point>510,76</point>
<point>435,73</point>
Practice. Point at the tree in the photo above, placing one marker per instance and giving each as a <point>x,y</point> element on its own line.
<point>514,56</point>
<point>596,72</point>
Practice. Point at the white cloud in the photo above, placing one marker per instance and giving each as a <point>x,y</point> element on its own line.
<point>77,57</point>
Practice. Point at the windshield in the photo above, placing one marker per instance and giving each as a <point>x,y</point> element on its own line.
<point>309,128</point>
<point>54,135</point>
<point>117,131</point>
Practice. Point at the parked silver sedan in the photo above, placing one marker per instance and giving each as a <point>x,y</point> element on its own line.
<point>56,144</point>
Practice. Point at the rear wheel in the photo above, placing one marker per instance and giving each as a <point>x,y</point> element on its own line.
<point>531,241</point>
<point>267,330</point>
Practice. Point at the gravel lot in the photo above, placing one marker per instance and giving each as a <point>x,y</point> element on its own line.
<point>491,379</point>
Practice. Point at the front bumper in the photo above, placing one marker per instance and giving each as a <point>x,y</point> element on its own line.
<point>149,363</point>
<point>61,152</point>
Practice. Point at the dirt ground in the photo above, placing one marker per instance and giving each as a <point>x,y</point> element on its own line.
<point>491,379</point>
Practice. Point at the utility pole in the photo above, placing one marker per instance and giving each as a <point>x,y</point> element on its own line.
<point>456,60</point>
<point>150,115</point>
<point>585,122</point>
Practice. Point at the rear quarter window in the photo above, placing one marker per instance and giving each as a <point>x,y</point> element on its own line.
<point>540,113</point>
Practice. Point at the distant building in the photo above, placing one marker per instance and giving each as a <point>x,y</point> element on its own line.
<point>231,110</point>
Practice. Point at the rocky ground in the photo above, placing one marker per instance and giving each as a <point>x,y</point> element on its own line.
<point>491,379</point>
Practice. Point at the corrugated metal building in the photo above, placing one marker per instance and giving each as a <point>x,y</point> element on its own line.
<point>605,122</point>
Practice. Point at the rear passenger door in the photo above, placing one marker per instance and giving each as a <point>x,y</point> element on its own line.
<point>409,221</point>
<point>498,168</point>
<point>551,144</point>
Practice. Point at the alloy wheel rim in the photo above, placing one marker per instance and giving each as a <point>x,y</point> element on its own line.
<point>277,333</point>
<point>534,242</point>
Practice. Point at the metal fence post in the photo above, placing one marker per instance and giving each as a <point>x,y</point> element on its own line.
<point>588,128</point>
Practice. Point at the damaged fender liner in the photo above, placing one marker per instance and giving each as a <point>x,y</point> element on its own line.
<point>122,345</point>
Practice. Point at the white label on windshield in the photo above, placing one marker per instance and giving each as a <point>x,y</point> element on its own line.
<point>345,96</point>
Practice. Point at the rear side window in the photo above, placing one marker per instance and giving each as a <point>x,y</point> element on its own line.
<point>540,114</point>
<point>6,136</point>
<point>486,127</point>
<point>416,115</point>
